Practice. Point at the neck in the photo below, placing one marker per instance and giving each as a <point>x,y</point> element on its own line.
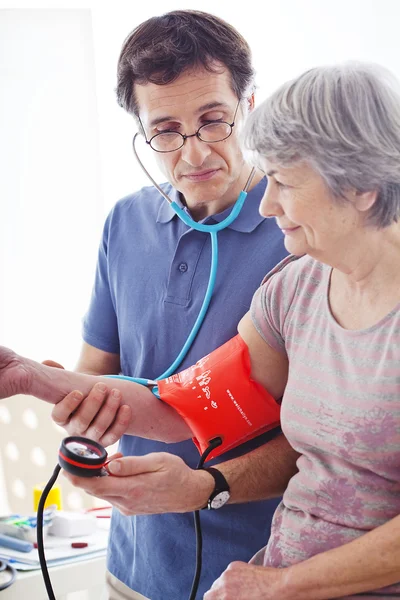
<point>372,260</point>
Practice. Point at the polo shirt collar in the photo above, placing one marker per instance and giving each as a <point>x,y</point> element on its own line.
<point>245,222</point>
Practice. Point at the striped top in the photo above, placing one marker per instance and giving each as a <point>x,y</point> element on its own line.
<point>340,411</point>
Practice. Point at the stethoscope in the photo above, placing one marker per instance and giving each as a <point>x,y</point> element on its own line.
<point>212,230</point>
<point>8,574</point>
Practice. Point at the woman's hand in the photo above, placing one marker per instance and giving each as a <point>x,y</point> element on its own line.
<point>242,581</point>
<point>15,373</point>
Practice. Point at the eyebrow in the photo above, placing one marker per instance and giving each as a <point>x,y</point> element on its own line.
<point>204,107</point>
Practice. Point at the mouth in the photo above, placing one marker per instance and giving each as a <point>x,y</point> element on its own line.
<point>289,230</point>
<point>201,176</point>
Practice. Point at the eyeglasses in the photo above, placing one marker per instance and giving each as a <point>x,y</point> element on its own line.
<point>169,141</point>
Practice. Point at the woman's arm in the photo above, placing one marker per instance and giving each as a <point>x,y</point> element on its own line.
<point>370,562</point>
<point>151,418</point>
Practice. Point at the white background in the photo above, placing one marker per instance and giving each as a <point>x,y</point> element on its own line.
<point>65,145</point>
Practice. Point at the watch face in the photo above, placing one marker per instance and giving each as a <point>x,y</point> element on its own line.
<point>219,500</point>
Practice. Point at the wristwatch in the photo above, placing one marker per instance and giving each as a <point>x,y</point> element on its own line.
<point>221,493</point>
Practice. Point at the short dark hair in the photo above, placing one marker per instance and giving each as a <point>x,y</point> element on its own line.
<point>162,48</point>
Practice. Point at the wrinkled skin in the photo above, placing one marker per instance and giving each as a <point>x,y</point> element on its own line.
<point>241,581</point>
<point>15,374</point>
<point>111,410</point>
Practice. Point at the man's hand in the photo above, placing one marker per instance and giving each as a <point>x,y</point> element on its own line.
<point>242,581</point>
<point>151,484</point>
<point>15,374</point>
<point>99,416</point>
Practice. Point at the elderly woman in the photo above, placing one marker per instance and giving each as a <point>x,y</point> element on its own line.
<point>329,143</point>
<point>323,333</point>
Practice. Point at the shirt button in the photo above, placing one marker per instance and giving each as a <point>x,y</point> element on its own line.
<point>183,267</point>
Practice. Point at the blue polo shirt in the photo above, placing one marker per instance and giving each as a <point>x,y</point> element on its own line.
<point>151,279</point>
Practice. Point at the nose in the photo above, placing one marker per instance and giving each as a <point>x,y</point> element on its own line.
<point>269,205</point>
<point>194,151</point>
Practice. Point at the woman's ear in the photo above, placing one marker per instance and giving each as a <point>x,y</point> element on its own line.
<point>363,201</point>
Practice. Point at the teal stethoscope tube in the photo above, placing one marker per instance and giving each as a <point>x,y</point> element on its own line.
<point>212,230</point>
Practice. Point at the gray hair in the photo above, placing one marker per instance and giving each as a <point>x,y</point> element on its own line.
<point>343,120</point>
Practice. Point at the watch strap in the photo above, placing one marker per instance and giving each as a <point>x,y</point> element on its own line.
<point>221,484</point>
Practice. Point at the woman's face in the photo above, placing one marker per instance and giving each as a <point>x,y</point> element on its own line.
<point>312,220</point>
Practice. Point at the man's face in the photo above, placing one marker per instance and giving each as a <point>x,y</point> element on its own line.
<point>209,175</point>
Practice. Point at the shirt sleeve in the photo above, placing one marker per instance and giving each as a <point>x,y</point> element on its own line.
<point>272,302</point>
<point>100,326</point>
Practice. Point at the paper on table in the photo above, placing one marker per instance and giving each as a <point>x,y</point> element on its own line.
<point>58,551</point>
<point>58,562</point>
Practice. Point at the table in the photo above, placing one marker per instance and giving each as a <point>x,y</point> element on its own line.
<point>88,574</point>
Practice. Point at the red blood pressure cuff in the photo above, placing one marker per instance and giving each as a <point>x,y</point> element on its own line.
<point>217,398</point>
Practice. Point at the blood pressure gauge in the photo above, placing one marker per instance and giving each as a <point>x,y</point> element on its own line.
<point>83,457</point>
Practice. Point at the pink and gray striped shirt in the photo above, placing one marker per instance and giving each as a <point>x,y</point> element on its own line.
<point>340,411</point>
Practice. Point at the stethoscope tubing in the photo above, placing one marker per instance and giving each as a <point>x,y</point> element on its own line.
<point>212,230</point>
<point>4,568</point>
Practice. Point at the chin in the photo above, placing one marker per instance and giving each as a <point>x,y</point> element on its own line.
<point>205,191</point>
<point>297,249</point>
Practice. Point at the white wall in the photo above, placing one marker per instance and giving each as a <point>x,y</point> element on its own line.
<point>50,185</point>
<point>51,208</point>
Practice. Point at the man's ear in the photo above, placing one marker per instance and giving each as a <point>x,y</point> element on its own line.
<point>251,102</point>
<point>363,201</point>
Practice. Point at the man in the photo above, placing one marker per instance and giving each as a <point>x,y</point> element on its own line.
<point>180,75</point>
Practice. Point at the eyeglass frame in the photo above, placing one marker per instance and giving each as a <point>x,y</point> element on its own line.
<point>195,134</point>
